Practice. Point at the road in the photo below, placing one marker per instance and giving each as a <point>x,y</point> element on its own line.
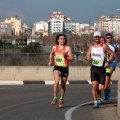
<point>32,102</point>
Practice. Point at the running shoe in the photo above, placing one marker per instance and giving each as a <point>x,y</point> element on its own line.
<point>105,95</point>
<point>61,104</point>
<point>99,101</point>
<point>95,106</point>
<point>54,101</point>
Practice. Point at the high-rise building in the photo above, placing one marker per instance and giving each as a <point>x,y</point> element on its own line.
<point>59,23</point>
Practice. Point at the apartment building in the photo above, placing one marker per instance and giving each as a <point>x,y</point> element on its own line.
<point>69,26</point>
<point>5,29</point>
<point>40,27</point>
<point>59,23</point>
<point>108,24</point>
<point>16,24</point>
<point>84,29</point>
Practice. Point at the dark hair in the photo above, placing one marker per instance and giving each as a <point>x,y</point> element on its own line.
<point>58,36</point>
<point>103,38</point>
<point>108,34</point>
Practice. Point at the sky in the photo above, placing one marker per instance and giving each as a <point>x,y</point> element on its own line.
<point>82,11</point>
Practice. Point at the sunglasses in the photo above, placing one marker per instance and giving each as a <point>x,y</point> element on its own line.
<point>97,37</point>
<point>108,37</point>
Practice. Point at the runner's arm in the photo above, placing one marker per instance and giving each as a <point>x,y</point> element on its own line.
<point>88,55</point>
<point>69,55</point>
<point>50,56</point>
<point>111,55</point>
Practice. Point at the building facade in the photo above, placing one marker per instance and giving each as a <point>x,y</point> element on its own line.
<point>59,23</point>
<point>5,29</point>
<point>16,25</point>
<point>40,27</point>
<point>109,24</point>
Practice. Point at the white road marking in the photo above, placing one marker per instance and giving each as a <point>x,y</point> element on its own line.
<point>20,104</point>
<point>11,82</point>
<point>68,114</point>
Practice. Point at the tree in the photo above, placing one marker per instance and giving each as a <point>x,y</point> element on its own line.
<point>32,48</point>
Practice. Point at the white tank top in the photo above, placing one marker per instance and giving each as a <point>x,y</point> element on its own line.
<point>97,56</point>
<point>112,47</point>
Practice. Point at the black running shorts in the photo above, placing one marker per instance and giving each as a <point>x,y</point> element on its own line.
<point>64,70</point>
<point>98,74</point>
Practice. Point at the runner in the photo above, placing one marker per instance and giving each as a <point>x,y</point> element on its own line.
<point>62,55</point>
<point>114,48</point>
<point>107,79</point>
<point>96,55</point>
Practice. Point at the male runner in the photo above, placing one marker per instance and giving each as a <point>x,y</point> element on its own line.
<point>114,48</point>
<point>62,55</point>
<point>107,79</point>
<point>96,55</point>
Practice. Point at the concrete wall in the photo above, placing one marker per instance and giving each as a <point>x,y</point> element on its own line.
<point>18,73</point>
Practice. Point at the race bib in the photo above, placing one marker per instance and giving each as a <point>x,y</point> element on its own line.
<point>96,62</point>
<point>59,59</point>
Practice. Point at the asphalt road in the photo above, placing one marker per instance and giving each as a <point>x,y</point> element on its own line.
<point>32,102</point>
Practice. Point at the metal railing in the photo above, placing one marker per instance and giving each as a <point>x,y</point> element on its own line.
<point>35,59</point>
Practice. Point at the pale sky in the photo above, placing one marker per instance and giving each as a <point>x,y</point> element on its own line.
<point>31,11</point>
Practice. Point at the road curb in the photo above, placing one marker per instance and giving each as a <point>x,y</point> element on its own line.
<point>48,82</point>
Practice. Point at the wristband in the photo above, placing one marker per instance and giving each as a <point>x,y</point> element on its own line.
<point>50,60</point>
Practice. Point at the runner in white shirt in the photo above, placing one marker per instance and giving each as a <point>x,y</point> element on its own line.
<point>96,55</point>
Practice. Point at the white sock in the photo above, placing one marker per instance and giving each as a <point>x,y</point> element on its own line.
<point>95,102</point>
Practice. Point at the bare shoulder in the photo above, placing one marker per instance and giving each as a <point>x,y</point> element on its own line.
<point>89,49</point>
<point>54,47</point>
<point>68,48</point>
<point>105,46</point>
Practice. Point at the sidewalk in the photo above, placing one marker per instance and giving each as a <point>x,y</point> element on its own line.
<point>107,111</point>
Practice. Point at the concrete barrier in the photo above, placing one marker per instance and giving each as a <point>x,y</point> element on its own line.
<point>20,73</point>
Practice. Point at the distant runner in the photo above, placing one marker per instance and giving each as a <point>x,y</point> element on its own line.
<point>114,48</point>
<point>107,79</point>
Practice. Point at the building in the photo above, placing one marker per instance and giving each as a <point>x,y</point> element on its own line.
<point>16,24</point>
<point>40,27</point>
<point>5,29</point>
<point>69,26</point>
<point>84,29</point>
<point>59,23</point>
<point>108,24</point>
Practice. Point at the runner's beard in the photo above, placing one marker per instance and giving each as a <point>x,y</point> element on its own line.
<point>97,41</point>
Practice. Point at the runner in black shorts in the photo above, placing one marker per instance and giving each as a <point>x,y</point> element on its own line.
<point>98,73</point>
<point>96,55</point>
<point>62,56</point>
<point>63,70</point>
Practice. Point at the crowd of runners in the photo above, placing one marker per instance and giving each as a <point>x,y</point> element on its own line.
<point>101,54</point>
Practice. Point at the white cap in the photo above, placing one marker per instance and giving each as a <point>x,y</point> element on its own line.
<point>97,33</point>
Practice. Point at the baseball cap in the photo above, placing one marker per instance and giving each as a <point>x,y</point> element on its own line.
<point>108,34</point>
<point>97,33</point>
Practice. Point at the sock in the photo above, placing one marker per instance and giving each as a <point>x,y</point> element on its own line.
<point>55,97</point>
<point>95,102</point>
<point>61,98</point>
